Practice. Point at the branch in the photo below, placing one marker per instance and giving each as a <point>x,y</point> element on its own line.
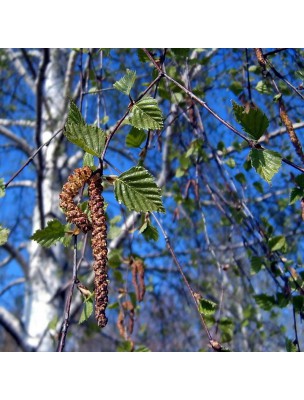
<point>69,74</point>
<point>14,327</point>
<point>17,256</point>
<point>17,122</point>
<point>19,67</point>
<point>11,284</point>
<point>24,183</point>
<point>19,142</point>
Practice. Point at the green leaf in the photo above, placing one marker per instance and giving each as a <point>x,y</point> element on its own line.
<point>230,162</point>
<point>145,114</point>
<point>126,83</point>
<point>149,231</point>
<point>263,87</point>
<point>125,346</point>
<point>266,162</point>
<point>90,138</point>
<point>236,87</point>
<point>142,349</point>
<point>53,232</point>
<point>295,195</point>
<point>137,189</point>
<point>277,243</point>
<point>135,137</point>
<point>206,307</point>
<point>2,188</point>
<point>254,121</point>
<point>256,264</point>
<point>86,311</point>
<point>74,115</point>
<point>264,301</point>
<point>88,160</point>
<point>290,346</point>
<point>3,235</point>
<point>300,180</point>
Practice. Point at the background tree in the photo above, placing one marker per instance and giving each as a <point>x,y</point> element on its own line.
<point>223,266</point>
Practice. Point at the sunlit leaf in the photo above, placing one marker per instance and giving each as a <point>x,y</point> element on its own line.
<point>149,231</point>
<point>145,114</point>
<point>87,310</point>
<point>74,115</point>
<point>206,307</point>
<point>263,87</point>
<point>90,138</point>
<point>135,137</point>
<point>88,160</point>
<point>266,162</point>
<point>277,243</point>
<point>253,120</point>
<point>52,233</point>
<point>136,188</point>
<point>126,83</point>
<point>4,232</point>
<point>2,187</point>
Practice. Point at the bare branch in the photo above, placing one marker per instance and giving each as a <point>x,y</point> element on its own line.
<point>17,256</point>
<point>17,122</point>
<point>11,284</point>
<point>19,142</point>
<point>25,183</point>
<point>69,74</point>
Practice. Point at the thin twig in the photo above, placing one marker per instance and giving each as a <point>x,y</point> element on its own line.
<point>30,159</point>
<point>214,344</point>
<point>296,329</point>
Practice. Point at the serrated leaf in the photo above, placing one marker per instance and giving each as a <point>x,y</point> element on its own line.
<point>149,232</point>
<point>266,162</point>
<point>126,83</point>
<point>88,160</point>
<point>4,232</point>
<point>135,137</point>
<point>263,87</point>
<point>145,114</point>
<point>206,307</point>
<point>295,195</point>
<point>264,301</point>
<point>137,189</point>
<point>253,121</point>
<point>90,138</point>
<point>74,115</point>
<point>86,311</point>
<point>52,233</point>
<point>2,188</point>
<point>277,243</point>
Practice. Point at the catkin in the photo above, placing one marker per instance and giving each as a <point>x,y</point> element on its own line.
<point>69,191</point>
<point>99,247</point>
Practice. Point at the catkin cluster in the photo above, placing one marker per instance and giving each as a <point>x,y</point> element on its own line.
<point>98,227</point>
<point>99,247</point>
<point>69,191</point>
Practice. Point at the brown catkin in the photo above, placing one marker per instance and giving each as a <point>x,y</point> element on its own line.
<point>99,247</point>
<point>69,191</point>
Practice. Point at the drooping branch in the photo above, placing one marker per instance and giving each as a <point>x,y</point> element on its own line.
<point>18,141</point>
<point>15,282</point>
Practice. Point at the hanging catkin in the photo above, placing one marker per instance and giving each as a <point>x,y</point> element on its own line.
<point>99,247</point>
<point>69,191</point>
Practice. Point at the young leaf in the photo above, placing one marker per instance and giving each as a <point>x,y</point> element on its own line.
<point>254,121</point>
<point>206,307</point>
<point>88,160</point>
<point>149,231</point>
<point>2,187</point>
<point>126,83</point>
<point>90,138</point>
<point>86,311</point>
<point>296,194</point>
<point>137,189</point>
<point>290,346</point>
<point>277,243</point>
<point>53,232</point>
<point>145,114</point>
<point>3,235</point>
<point>266,162</point>
<point>74,116</point>
<point>135,137</point>
<point>263,88</point>
<point>264,301</point>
